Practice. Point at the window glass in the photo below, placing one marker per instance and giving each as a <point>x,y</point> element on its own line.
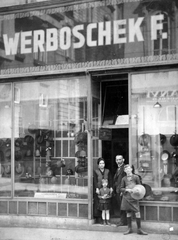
<point>50,144</point>
<point>5,139</point>
<point>96,122</point>
<point>154,98</point>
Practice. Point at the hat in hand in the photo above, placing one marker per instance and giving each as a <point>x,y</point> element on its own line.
<point>138,192</point>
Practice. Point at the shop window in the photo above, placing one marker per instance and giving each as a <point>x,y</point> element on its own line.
<point>5,139</point>
<point>154,145</point>
<point>50,141</point>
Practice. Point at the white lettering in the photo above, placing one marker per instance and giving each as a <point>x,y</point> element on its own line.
<point>134,29</point>
<point>52,39</point>
<point>78,35</point>
<point>104,33</point>
<point>11,44</point>
<point>90,42</point>
<point>38,39</point>
<point>65,38</point>
<point>119,31</point>
<point>156,24</point>
<point>25,42</point>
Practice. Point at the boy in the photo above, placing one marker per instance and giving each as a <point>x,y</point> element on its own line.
<point>129,204</point>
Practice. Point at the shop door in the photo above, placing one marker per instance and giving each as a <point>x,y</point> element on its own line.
<point>117,146</point>
<point>115,118</point>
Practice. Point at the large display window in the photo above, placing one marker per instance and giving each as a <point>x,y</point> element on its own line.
<point>49,157</point>
<point>6,147</point>
<point>154,148</point>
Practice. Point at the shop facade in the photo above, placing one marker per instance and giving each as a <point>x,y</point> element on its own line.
<point>83,80</point>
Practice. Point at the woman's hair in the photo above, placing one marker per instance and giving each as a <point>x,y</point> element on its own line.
<point>100,159</point>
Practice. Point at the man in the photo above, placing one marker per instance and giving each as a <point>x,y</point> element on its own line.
<point>117,185</point>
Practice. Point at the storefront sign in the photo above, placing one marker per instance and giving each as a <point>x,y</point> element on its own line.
<point>124,31</point>
<point>88,36</point>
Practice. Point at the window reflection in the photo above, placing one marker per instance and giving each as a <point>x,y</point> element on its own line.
<point>5,139</point>
<point>154,132</point>
<point>50,139</point>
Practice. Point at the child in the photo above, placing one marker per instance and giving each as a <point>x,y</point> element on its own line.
<point>129,204</point>
<point>104,196</point>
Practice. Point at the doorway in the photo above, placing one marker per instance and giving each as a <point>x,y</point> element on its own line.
<point>118,145</point>
<point>115,113</point>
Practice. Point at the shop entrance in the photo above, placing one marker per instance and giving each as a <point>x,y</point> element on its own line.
<point>117,145</point>
<point>115,118</point>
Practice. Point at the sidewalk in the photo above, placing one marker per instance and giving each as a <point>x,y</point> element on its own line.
<point>17,233</point>
<point>46,228</point>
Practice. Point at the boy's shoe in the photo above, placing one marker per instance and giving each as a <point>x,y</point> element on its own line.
<point>103,222</point>
<point>141,232</point>
<point>129,231</point>
<point>108,222</point>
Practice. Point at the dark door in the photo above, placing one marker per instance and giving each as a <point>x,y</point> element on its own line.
<point>115,105</point>
<point>117,146</point>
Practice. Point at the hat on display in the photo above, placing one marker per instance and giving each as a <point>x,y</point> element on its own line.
<point>48,135</point>
<point>29,139</point>
<point>8,142</point>
<point>8,154</point>
<point>40,139</point>
<point>19,168</point>
<point>144,139</point>
<point>7,168</point>
<point>80,154</point>
<point>174,140</point>
<point>138,192</point>
<point>165,155</point>
<point>162,139</point>
<point>2,170</point>
<point>32,128</point>
<point>1,156</point>
<point>1,142</point>
<point>18,142</point>
<point>28,153</point>
<point>18,155</point>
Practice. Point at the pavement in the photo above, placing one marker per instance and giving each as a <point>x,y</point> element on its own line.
<point>17,233</point>
<point>58,230</point>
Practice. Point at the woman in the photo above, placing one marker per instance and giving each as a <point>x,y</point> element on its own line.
<point>99,174</point>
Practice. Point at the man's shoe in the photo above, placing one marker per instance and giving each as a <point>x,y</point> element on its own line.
<point>141,232</point>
